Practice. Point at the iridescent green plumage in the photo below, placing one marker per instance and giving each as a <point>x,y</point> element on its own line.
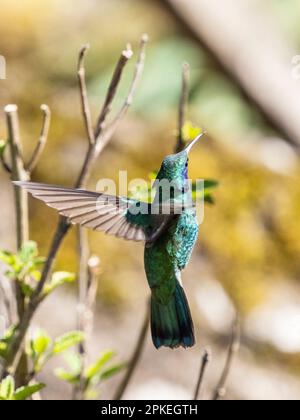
<point>168,226</point>
<point>171,320</point>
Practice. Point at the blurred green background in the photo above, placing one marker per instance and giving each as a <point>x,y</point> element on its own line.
<point>249,245</point>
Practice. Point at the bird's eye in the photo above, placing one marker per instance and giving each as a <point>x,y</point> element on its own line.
<point>187,163</point>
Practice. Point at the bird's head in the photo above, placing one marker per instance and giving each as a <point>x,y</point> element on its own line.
<point>176,166</point>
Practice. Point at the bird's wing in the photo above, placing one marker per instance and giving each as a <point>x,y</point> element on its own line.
<point>100,212</point>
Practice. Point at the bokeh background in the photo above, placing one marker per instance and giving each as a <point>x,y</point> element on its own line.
<point>244,90</point>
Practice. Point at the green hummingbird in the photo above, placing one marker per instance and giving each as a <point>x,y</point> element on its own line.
<point>168,226</point>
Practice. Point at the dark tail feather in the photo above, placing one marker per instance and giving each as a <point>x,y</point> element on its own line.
<point>172,324</point>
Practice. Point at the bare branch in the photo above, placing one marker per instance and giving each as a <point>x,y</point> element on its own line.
<point>205,360</point>
<point>83,253</point>
<point>94,268</point>
<point>183,104</point>
<point>86,112</point>
<point>125,57</point>
<point>136,78</point>
<point>18,173</point>
<point>136,356</point>
<point>103,136</point>
<point>88,284</point>
<point>21,204</point>
<point>234,346</point>
<point>42,139</point>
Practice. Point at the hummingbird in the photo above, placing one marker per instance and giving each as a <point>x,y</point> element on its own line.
<point>168,226</point>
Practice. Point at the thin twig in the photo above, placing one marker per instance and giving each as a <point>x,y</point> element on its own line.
<point>83,252</point>
<point>18,173</point>
<point>96,148</point>
<point>94,268</point>
<point>42,139</point>
<point>205,360</point>
<point>111,93</point>
<point>22,221</point>
<point>104,135</point>
<point>86,112</point>
<point>136,356</point>
<point>88,283</point>
<point>61,231</point>
<point>83,245</point>
<point>137,75</point>
<point>234,346</point>
<point>183,104</point>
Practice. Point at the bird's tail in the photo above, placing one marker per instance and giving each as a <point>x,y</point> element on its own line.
<point>172,324</point>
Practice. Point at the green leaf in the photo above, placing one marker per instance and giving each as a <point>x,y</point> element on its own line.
<point>27,391</point>
<point>95,368</point>
<point>27,290</point>
<point>9,334</point>
<point>112,371</point>
<point>38,261</point>
<point>209,199</point>
<point>152,175</point>
<point>36,275</point>
<point>7,388</point>
<point>58,279</point>
<point>210,184</point>
<point>72,378</point>
<point>7,257</point>
<point>6,340</point>
<point>189,131</point>
<point>41,343</point>
<point>66,341</point>
<point>3,349</point>
<point>28,251</point>
<point>3,145</point>
<point>74,361</point>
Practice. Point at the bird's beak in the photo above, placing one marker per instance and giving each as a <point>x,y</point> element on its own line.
<point>193,142</point>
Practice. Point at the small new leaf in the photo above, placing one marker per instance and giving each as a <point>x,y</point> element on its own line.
<point>3,145</point>
<point>190,132</point>
<point>112,371</point>
<point>41,343</point>
<point>28,252</point>
<point>9,333</point>
<point>210,184</point>
<point>66,341</point>
<point>95,368</point>
<point>58,279</point>
<point>25,392</point>
<point>7,257</point>
<point>7,388</point>
<point>27,290</point>
<point>3,349</point>
<point>74,361</point>
<point>72,378</point>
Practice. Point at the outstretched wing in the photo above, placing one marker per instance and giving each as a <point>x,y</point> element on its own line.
<point>100,212</point>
